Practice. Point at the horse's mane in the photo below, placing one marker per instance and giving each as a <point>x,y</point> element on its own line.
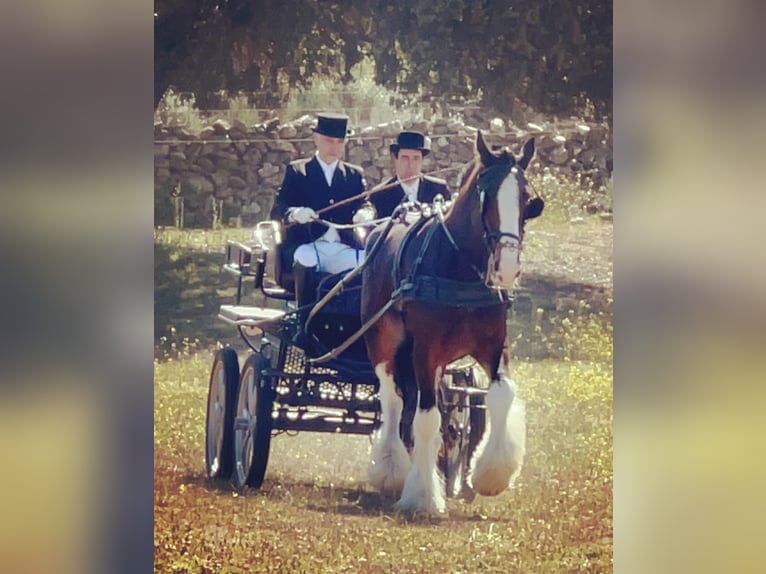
<point>470,175</point>
<point>473,169</point>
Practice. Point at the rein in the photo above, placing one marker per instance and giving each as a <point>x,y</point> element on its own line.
<point>338,287</point>
<point>428,288</point>
<point>419,287</point>
<point>366,194</point>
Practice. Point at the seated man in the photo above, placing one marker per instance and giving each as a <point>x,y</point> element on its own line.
<point>311,184</point>
<point>409,183</point>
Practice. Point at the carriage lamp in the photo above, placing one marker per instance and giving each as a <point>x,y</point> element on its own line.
<point>267,234</point>
<point>365,214</point>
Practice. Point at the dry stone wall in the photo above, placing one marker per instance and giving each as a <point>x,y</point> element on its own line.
<point>230,173</point>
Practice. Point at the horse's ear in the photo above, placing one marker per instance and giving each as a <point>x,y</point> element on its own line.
<point>481,148</point>
<point>527,153</point>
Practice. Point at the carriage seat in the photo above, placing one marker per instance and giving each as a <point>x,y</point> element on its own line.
<point>282,282</point>
<point>273,276</point>
<point>277,279</point>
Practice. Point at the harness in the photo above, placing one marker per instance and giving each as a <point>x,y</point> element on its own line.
<point>435,289</point>
<point>496,241</point>
<point>415,287</point>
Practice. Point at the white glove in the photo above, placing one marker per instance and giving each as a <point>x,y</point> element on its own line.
<point>301,214</point>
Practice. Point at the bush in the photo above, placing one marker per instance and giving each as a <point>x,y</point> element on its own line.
<point>365,102</point>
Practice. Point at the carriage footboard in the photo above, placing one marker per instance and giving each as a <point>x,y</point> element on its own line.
<point>319,402</point>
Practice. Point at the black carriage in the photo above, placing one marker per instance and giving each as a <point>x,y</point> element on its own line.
<point>295,379</point>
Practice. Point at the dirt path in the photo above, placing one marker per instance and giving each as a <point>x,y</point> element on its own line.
<point>569,263</point>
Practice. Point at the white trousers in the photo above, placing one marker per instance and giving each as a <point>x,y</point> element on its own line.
<point>328,256</point>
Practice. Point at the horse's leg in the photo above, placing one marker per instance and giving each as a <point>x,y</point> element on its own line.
<point>498,457</point>
<point>389,461</point>
<point>405,379</point>
<point>424,487</point>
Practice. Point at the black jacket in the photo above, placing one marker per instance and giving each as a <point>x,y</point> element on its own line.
<point>386,201</point>
<point>305,185</point>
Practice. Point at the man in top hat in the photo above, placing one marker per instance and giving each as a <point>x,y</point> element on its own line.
<point>409,183</point>
<point>311,184</point>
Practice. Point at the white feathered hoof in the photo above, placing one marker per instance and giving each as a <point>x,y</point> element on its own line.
<point>389,466</point>
<point>424,487</point>
<point>499,457</point>
<point>490,478</point>
<point>422,494</point>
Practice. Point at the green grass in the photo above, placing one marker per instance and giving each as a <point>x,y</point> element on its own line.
<point>315,512</point>
<point>200,240</point>
<point>563,191</point>
<point>189,286</point>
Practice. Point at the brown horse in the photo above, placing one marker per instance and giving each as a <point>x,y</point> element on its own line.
<point>448,278</point>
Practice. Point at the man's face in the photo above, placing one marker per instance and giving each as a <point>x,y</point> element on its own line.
<point>408,163</point>
<point>329,148</point>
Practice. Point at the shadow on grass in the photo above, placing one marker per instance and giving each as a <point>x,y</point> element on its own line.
<point>342,500</point>
<point>189,286</point>
<point>352,502</point>
<point>360,501</point>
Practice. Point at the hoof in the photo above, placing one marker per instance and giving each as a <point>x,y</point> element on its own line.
<point>388,468</point>
<point>420,496</point>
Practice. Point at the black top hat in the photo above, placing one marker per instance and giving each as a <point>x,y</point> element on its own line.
<point>411,140</point>
<point>332,125</point>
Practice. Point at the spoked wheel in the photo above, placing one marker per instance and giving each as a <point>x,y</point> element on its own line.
<point>221,397</point>
<point>463,424</point>
<point>252,424</point>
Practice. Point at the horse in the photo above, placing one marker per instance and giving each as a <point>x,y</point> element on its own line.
<point>446,279</point>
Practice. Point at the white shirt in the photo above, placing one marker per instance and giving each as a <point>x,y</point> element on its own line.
<point>331,234</point>
<point>327,168</point>
<point>411,188</point>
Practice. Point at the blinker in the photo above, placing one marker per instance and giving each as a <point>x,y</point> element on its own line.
<point>534,208</point>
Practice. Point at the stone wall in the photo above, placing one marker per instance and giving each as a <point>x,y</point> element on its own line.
<point>230,173</point>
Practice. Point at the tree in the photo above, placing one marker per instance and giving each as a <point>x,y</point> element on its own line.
<point>548,53</point>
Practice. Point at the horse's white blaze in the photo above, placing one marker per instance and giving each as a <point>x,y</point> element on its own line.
<point>509,265</point>
<point>424,487</point>
<point>389,460</point>
<point>498,458</point>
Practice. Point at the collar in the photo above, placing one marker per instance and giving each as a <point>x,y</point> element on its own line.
<point>410,188</point>
<point>327,168</point>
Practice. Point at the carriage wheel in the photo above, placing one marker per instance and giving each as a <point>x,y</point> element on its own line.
<point>464,423</point>
<point>455,430</point>
<point>222,394</point>
<point>252,424</point>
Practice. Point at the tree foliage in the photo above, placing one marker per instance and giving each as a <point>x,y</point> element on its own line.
<point>550,54</point>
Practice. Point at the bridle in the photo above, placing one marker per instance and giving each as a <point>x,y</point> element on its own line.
<point>487,181</point>
<point>488,184</point>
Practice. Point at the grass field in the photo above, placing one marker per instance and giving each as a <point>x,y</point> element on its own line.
<point>315,513</point>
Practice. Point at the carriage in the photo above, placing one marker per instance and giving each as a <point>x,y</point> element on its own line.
<point>431,303</point>
<point>285,385</point>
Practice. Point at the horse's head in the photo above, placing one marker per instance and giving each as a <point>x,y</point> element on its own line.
<point>505,206</point>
